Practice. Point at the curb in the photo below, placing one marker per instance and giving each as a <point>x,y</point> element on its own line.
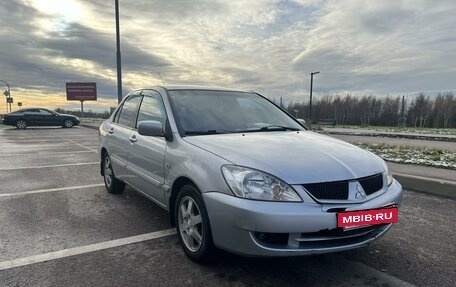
<point>438,187</point>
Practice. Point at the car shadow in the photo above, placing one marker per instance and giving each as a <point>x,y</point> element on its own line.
<point>314,270</point>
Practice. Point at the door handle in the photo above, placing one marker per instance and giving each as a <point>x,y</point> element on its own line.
<point>111,130</point>
<point>133,139</point>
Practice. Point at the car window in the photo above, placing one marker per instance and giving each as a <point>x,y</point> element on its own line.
<point>151,108</point>
<point>253,111</point>
<point>45,113</point>
<point>128,113</point>
<point>32,112</point>
<point>226,111</point>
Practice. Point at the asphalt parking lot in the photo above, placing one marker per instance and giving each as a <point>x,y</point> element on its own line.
<point>59,227</point>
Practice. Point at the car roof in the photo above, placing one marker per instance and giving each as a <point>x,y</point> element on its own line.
<point>27,109</point>
<point>195,87</point>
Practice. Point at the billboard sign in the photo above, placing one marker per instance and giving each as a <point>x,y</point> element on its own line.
<point>81,91</point>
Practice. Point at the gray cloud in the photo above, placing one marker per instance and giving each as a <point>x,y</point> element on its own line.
<point>80,42</point>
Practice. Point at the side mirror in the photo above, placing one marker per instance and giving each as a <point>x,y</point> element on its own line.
<point>302,122</point>
<point>150,128</point>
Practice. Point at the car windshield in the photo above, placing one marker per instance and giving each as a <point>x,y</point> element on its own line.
<point>199,112</point>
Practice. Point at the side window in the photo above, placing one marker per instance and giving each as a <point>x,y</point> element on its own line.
<point>128,112</point>
<point>152,108</point>
<point>45,113</point>
<point>32,112</point>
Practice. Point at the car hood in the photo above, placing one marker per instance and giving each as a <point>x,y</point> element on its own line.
<point>295,157</point>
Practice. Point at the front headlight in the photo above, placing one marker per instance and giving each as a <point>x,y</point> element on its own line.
<point>254,184</point>
<point>389,175</point>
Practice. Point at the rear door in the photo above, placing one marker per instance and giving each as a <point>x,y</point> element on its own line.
<point>146,154</point>
<point>33,117</point>
<point>47,118</point>
<point>119,132</point>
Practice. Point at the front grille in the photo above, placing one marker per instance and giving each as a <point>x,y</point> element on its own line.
<point>339,190</point>
<point>328,190</point>
<point>371,184</point>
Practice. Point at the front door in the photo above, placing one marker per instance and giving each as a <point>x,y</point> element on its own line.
<point>146,154</point>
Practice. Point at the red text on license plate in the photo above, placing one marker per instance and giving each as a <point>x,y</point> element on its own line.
<point>367,217</point>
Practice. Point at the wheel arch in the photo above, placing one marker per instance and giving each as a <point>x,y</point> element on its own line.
<point>177,185</point>
<point>21,119</point>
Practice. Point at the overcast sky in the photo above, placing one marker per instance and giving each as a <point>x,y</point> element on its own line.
<point>359,46</point>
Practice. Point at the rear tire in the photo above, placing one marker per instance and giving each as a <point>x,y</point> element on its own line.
<point>21,124</point>
<point>112,184</point>
<point>192,225</point>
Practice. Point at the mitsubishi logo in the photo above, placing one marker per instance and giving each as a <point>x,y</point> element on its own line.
<point>360,194</point>
<point>356,191</point>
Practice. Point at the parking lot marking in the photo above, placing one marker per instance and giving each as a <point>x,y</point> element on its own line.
<point>48,166</point>
<point>84,249</point>
<point>81,145</point>
<point>27,146</point>
<point>49,153</point>
<point>51,190</point>
<point>24,141</point>
<point>46,136</point>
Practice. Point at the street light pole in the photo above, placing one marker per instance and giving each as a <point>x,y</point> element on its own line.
<point>310,101</point>
<point>119,64</point>
<point>8,96</point>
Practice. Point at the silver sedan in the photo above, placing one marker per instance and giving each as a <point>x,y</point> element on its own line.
<point>238,173</point>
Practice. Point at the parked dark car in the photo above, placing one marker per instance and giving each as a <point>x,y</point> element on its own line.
<point>39,117</point>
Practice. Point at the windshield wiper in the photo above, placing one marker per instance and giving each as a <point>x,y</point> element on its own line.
<point>208,132</point>
<point>269,128</point>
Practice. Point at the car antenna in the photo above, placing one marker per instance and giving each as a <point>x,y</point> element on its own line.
<point>161,78</point>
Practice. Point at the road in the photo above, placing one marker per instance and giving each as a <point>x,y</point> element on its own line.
<point>59,227</point>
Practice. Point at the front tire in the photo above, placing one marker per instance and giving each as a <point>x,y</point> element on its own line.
<point>192,225</point>
<point>112,184</point>
<point>21,124</point>
<point>68,123</point>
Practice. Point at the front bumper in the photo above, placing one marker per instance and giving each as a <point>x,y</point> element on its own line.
<point>241,226</point>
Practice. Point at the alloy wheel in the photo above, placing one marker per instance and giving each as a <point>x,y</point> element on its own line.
<point>190,223</point>
<point>68,123</point>
<point>21,124</point>
<point>108,171</point>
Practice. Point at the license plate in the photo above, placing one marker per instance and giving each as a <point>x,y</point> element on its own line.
<point>367,217</point>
